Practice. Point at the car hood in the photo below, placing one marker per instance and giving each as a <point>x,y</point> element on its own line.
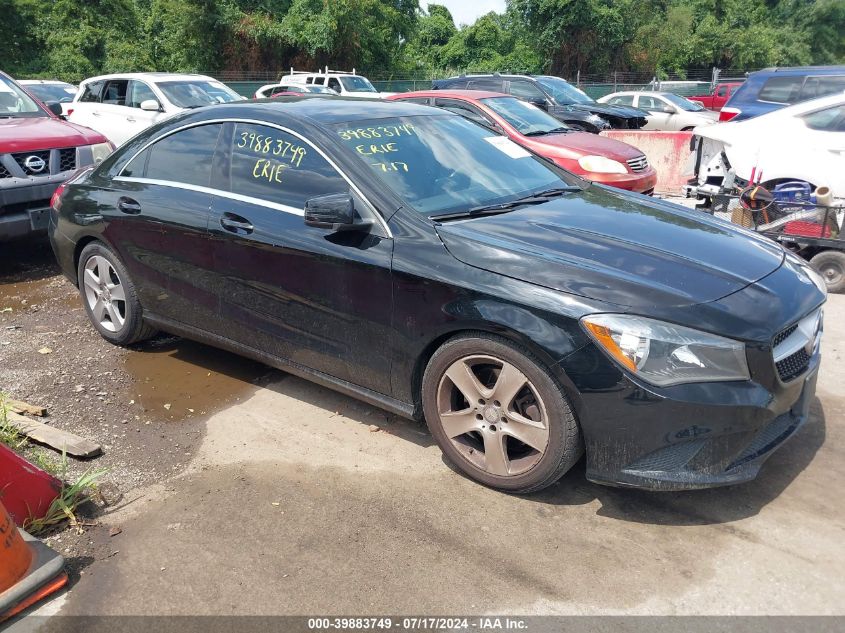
<point>623,112</point>
<point>615,247</point>
<point>33,134</point>
<point>577,144</point>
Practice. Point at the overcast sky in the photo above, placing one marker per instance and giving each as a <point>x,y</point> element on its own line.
<point>466,11</point>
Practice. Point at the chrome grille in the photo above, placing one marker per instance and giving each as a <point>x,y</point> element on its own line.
<point>24,157</point>
<point>794,346</point>
<point>67,159</point>
<point>640,163</point>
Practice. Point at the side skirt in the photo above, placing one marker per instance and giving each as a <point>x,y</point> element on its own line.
<point>374,398</point>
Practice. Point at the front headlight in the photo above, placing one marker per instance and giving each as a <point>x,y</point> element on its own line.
<point>100,151</point>
<point>665,354</point>
<point>602,165</point>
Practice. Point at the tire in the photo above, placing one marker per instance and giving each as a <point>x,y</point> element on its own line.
<point>109,296</point>
<point>831,266</point>
<point>470,422</point>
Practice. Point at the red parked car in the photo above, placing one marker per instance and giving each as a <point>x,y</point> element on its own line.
<point>38,152</point>
<point>719,97</point>
<point>593,157</point>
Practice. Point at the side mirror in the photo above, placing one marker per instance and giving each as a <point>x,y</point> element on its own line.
<point>667,109</point>
<point>151,105</point>
<point>55,107</point>
<point>540,103</point>
<point>335,211</point>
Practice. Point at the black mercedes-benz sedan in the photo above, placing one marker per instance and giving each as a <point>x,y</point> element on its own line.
<point>410,258</point>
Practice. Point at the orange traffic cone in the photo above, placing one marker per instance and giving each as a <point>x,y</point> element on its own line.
<point>29,570</point>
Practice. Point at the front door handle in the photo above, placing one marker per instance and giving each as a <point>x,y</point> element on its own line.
<point>236,224</point>
<point>130,119</point>
<point>128,205</point>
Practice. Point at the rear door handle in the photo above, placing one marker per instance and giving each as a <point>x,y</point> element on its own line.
<point>128,205</point>
<point>236,224</point>
<point>130,119</point>
<point>95,113</point>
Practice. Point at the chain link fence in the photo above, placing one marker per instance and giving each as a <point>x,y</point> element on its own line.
<point>685,83</point>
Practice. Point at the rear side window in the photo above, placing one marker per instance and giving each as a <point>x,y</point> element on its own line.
<point>91,92</point>
<point>114,92</point>
<point>822,86</point>
<point>781,89</point>
<point>183,157</point>
<point>493,85</point>
<point>273,165</point>
<point>622,100</point>
<point>827,120</point>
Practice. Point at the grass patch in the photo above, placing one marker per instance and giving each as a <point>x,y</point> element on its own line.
<point>70,497</point>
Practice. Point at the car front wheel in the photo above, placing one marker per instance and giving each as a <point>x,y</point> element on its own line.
<point>109,296</point>
<point>498,415</point>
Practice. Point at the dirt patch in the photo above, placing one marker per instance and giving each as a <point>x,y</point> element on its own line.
<point>107,394</point>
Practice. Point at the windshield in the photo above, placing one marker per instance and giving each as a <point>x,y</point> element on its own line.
<point>528,119</point>
<point>683,104</point>
<point>197,92</point>
<point>440,164</point>
<point>562,91</point>
<point>354,83</point>
<point>61,93</point>
<point>15,103</point>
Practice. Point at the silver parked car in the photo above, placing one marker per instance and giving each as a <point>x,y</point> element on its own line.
<point>666,111</point>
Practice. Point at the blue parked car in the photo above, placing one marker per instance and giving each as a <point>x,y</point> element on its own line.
<point>773,88</point>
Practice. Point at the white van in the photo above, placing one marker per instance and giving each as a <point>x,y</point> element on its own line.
<point>344,83</point>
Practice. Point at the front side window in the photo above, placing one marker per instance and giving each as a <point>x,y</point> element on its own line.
<point>827,120</point>
<point>16,103</point>
<point>334,84</point>
<point>444,163</point>
<point>528,119</point>
<point>464,110</point>
<point>622,100</point>
<point>354,83</point>
<point>493,85</point>
<point>722,91</point>
<point>273,165</point>
<point>195,93</point>
<point>781,89</point>
<point>140,92</point>
<point>648,103</point>
<point>182,157</point>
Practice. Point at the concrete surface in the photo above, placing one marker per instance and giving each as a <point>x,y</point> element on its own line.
<point>293,505</point>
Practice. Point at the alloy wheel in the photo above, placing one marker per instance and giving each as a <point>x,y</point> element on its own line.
<point>104,293</point>
<point>493,415</point>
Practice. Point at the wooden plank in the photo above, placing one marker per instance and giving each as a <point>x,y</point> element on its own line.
<point>19,406</point>
<point>58,439</point>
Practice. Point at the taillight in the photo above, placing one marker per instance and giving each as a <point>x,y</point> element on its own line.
<point>726,114</point>
<point>56,200</point>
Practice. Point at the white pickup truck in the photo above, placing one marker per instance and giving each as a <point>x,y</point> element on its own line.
<point>344,83</point>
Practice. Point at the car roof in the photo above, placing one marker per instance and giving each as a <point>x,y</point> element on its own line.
<point>321,110</point>
<point>466,94</point>
<point>149,76</point>
<point>801,70</point>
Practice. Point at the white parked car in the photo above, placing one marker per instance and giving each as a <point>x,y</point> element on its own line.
<point>346,84</point>
<point>804,142</point>
<point>271,90</point>
<point>50,91</point>
<point>666,111</point>
<point>120,106</point>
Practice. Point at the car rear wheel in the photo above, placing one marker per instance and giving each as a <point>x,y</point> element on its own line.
<point>109,296</point>
<point>498,415</point>
<point>831,266</point>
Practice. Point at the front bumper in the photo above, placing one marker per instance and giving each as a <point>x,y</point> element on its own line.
<point>641,182</point>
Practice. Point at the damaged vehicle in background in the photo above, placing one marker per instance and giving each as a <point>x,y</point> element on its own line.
<point>38,152</point>
<point>406,256</point>
<point>556,96</point>
<point>804,142</point>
